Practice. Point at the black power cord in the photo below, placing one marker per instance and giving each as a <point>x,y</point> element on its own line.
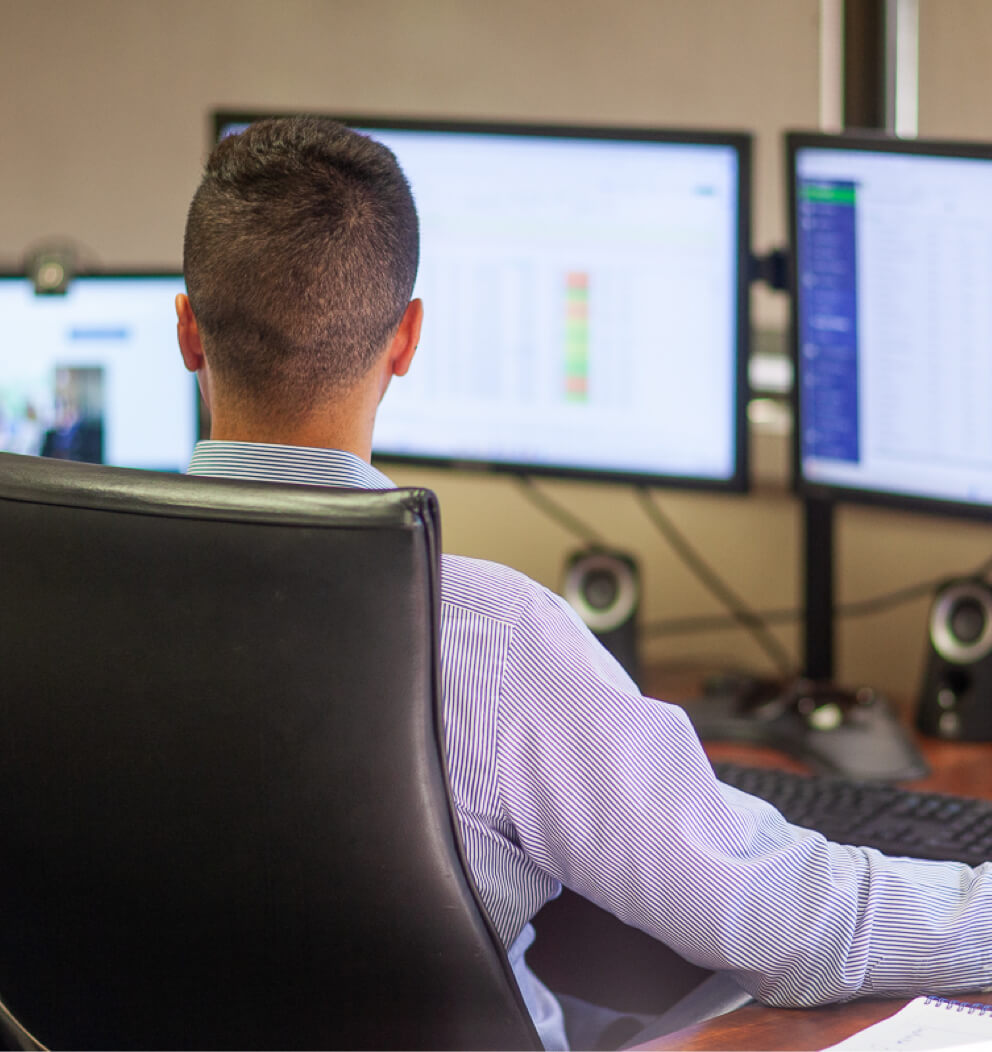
<point>740,611</point>
<point>856,608</point>
<point>558,514</point>
<point>740,614</point>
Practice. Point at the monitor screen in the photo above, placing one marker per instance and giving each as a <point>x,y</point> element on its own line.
<point>892,272</point>
<point>95,374</point>
<point>585,295</point>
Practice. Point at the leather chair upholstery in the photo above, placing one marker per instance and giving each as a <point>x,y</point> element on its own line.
<point>225,819</point>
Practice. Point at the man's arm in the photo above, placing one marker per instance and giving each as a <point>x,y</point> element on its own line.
<point>611,793</point>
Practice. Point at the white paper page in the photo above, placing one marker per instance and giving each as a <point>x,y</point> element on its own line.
<point>925,1023</point>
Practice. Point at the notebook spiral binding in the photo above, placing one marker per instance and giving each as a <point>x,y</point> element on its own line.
<point>969,1007</point>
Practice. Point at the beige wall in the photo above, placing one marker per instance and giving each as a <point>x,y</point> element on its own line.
<point>103,103</point>
<point>955,51</point>
<point>104,119</point>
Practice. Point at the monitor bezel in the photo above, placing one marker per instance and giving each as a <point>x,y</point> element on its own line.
<point>877,142</point>
<point>740,141</point>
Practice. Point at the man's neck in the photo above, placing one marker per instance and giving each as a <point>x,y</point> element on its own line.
<point>319,431</point>
<point>313,439</point>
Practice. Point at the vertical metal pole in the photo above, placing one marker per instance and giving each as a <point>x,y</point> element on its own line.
<point>864,63</point>
<point>818,556</point>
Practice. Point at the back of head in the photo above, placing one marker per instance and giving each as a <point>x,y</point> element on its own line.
<point>300,256</point>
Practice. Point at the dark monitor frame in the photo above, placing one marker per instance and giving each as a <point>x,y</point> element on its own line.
<point>819,498</point>
<point>740,141</point>
<point>877,142</point>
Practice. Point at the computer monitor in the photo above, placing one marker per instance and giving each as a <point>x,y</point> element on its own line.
<point>891,274</point>
<point>94,373</point>
<point>586,300</point>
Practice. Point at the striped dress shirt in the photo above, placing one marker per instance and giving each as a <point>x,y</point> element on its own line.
<point>563,773</point>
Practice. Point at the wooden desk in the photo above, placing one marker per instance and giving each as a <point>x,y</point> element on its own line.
<point>961,768</point>
<point>755,1027</point>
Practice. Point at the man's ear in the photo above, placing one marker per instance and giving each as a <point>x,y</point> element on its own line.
<point>188,332</point>
<point>406,338</point>
<point>190,345</point>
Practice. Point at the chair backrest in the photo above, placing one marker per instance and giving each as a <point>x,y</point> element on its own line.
<point>224,817</point>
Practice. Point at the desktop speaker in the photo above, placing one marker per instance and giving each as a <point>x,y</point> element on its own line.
<point>956,696</point>
<point>604,589</point>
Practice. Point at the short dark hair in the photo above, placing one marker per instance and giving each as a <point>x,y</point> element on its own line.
<point>300,255</point>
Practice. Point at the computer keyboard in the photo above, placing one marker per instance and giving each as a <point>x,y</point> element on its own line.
<point>895,820</point>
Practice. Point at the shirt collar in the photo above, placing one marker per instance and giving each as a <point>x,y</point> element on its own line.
<point>275,463</point>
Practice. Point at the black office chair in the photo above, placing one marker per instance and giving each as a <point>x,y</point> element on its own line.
<point>224,818</point>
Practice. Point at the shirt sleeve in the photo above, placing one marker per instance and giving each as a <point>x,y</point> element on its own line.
<point>611,793</point>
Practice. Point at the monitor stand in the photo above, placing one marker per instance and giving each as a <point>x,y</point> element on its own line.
<point>855,733</point>
<point>818,589</point>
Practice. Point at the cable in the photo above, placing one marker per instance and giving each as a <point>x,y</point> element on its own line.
<point>740,615</point>
<point>685,626</point>
<point>862,607</point>
<point>557,513</point>
<point>856,608</point>
<point>739,610</point>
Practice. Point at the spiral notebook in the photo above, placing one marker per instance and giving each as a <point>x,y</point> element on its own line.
<point>926,1023</point>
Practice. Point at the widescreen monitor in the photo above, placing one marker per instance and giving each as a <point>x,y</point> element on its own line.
<point>892,306</point>
<point>94,373</point>
<point>586,300</point>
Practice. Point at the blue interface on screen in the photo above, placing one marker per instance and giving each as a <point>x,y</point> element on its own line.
<point>894,325</point>
<point>95,374</point>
